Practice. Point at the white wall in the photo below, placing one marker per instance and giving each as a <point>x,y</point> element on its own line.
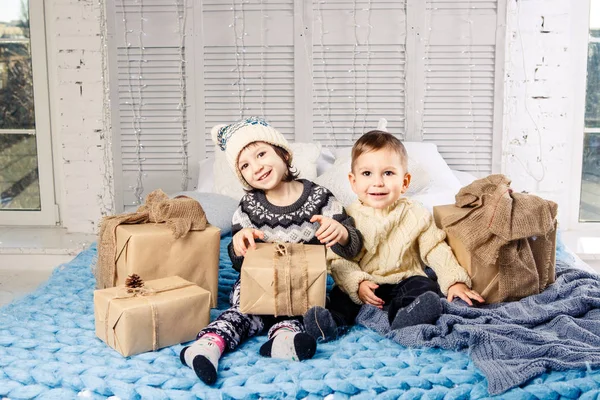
<point>76,93</point>
<point>538,121</point>
<point>541,75</point>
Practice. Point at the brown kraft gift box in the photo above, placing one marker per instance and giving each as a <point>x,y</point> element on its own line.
<point>163,313</point>
<point>283,279</point>
<point>151,251</point>
<point>485,278</point>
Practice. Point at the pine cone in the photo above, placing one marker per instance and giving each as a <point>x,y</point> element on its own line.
<point>133,282</point>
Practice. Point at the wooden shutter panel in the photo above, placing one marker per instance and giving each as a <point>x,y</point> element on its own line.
<point>462,79</point>
<point>146,92</point>
<point>263,85</point>
<point>355,85</point>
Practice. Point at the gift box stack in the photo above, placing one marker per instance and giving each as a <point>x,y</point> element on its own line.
<point>506,241</point>
<point>171,246</point>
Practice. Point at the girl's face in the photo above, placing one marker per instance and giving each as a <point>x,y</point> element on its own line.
<point>261,167</point>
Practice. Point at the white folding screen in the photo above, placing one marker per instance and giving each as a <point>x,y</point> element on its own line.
<point>459,76</point>
<point>322,70</point>
<point>150,94</point>
<point>248,63</point>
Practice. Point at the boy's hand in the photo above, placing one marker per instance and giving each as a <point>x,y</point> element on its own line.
<point>366,292</point>
<point>244,239</point>
<point>461,290</point>
<point>330,231</point>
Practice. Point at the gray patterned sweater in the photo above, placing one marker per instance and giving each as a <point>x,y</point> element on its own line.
<point>291,224</point>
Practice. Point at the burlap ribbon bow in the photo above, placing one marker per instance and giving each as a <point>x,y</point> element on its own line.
<point>181,215</point>
<point>290,285</point>
<point>146,294</point>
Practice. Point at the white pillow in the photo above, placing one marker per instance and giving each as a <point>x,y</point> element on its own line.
<point>205,175</point>
<point>336,179</point>
<point>219,209</point>
<point>465,178</point>
<point>226,182</point>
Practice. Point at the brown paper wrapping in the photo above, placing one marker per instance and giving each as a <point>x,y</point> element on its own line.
<point>151,251</point>
<point>485,278</point>
<point>258,291</point>
<point>168,311</point>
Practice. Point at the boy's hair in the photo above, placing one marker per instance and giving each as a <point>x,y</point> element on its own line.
<point>377,140</point>
<point>292,172</point>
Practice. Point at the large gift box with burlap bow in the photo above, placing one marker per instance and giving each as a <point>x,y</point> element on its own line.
<point>161,313</point>
<point>165,237</point>
<point>283,279</point>
<point>505,240</point>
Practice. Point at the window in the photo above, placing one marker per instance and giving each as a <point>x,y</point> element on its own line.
<point>589,206</point>
<point>26,187</point>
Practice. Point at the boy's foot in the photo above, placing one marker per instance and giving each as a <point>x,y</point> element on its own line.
<point>289,346</point>
<point>425,309</point>
<point>319,324</point>
<point>203,357</point>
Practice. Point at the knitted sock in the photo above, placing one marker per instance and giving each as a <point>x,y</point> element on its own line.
<point>425,309</point>
<point>373,318</point>
<point>203,356</point>
<point>319,324</point>
<point>289,345</point>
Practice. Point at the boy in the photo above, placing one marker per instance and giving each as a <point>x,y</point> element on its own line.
<point>399,238</point>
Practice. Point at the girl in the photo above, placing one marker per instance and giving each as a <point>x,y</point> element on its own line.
<point>278,207</point>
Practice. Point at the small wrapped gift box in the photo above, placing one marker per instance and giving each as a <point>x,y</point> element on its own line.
<point>162,313</point>
<point>283,279</point>
<point>151,251</point>
<point>485,277</point>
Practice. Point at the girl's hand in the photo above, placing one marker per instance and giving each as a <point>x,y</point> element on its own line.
<point>244,239</point>
<point>330,231</point>
<point>461,290</point>
<point>366,292</point>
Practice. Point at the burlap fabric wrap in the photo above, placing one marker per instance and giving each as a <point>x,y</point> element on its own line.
<point>285,278</point>
<point>181,215</point>
<point>510,228</point>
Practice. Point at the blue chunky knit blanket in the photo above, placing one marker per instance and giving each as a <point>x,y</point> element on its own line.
<point>48,350</point>
<point>558,329</point>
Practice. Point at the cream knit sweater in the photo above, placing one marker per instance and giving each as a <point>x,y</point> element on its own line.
<point>397,241</point>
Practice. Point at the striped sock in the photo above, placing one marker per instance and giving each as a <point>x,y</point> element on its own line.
<point>203,356</point>
<point>289,345</point>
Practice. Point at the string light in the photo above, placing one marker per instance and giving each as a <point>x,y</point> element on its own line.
<point>512,154</point>
<point>367,65</point>
<point>106,199</point>
<point>353,71</point>
<point>420,108</point>
<point>326,118</point>
<point>474,146</point>
<point>181,9</point>
<point>238,65</point>
<point>136,107</point>
<point>263,46</point>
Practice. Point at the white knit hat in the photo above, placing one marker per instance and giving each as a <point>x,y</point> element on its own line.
<point>233,138</point>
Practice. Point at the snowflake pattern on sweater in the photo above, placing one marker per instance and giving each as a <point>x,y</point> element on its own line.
<point>291,224</point>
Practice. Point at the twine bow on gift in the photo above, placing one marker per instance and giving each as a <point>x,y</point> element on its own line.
<point>145,293</point>
<point>181,215</point>
<point>290,283</point>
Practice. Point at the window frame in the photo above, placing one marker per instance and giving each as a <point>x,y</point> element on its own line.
<point>579,48</point>
<point>48,214</point>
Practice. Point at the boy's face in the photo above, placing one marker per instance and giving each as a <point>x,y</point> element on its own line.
<point>378,178</point>
<point>261,167</point>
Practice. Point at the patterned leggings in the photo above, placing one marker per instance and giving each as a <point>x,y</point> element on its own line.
<point>235,327</point>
